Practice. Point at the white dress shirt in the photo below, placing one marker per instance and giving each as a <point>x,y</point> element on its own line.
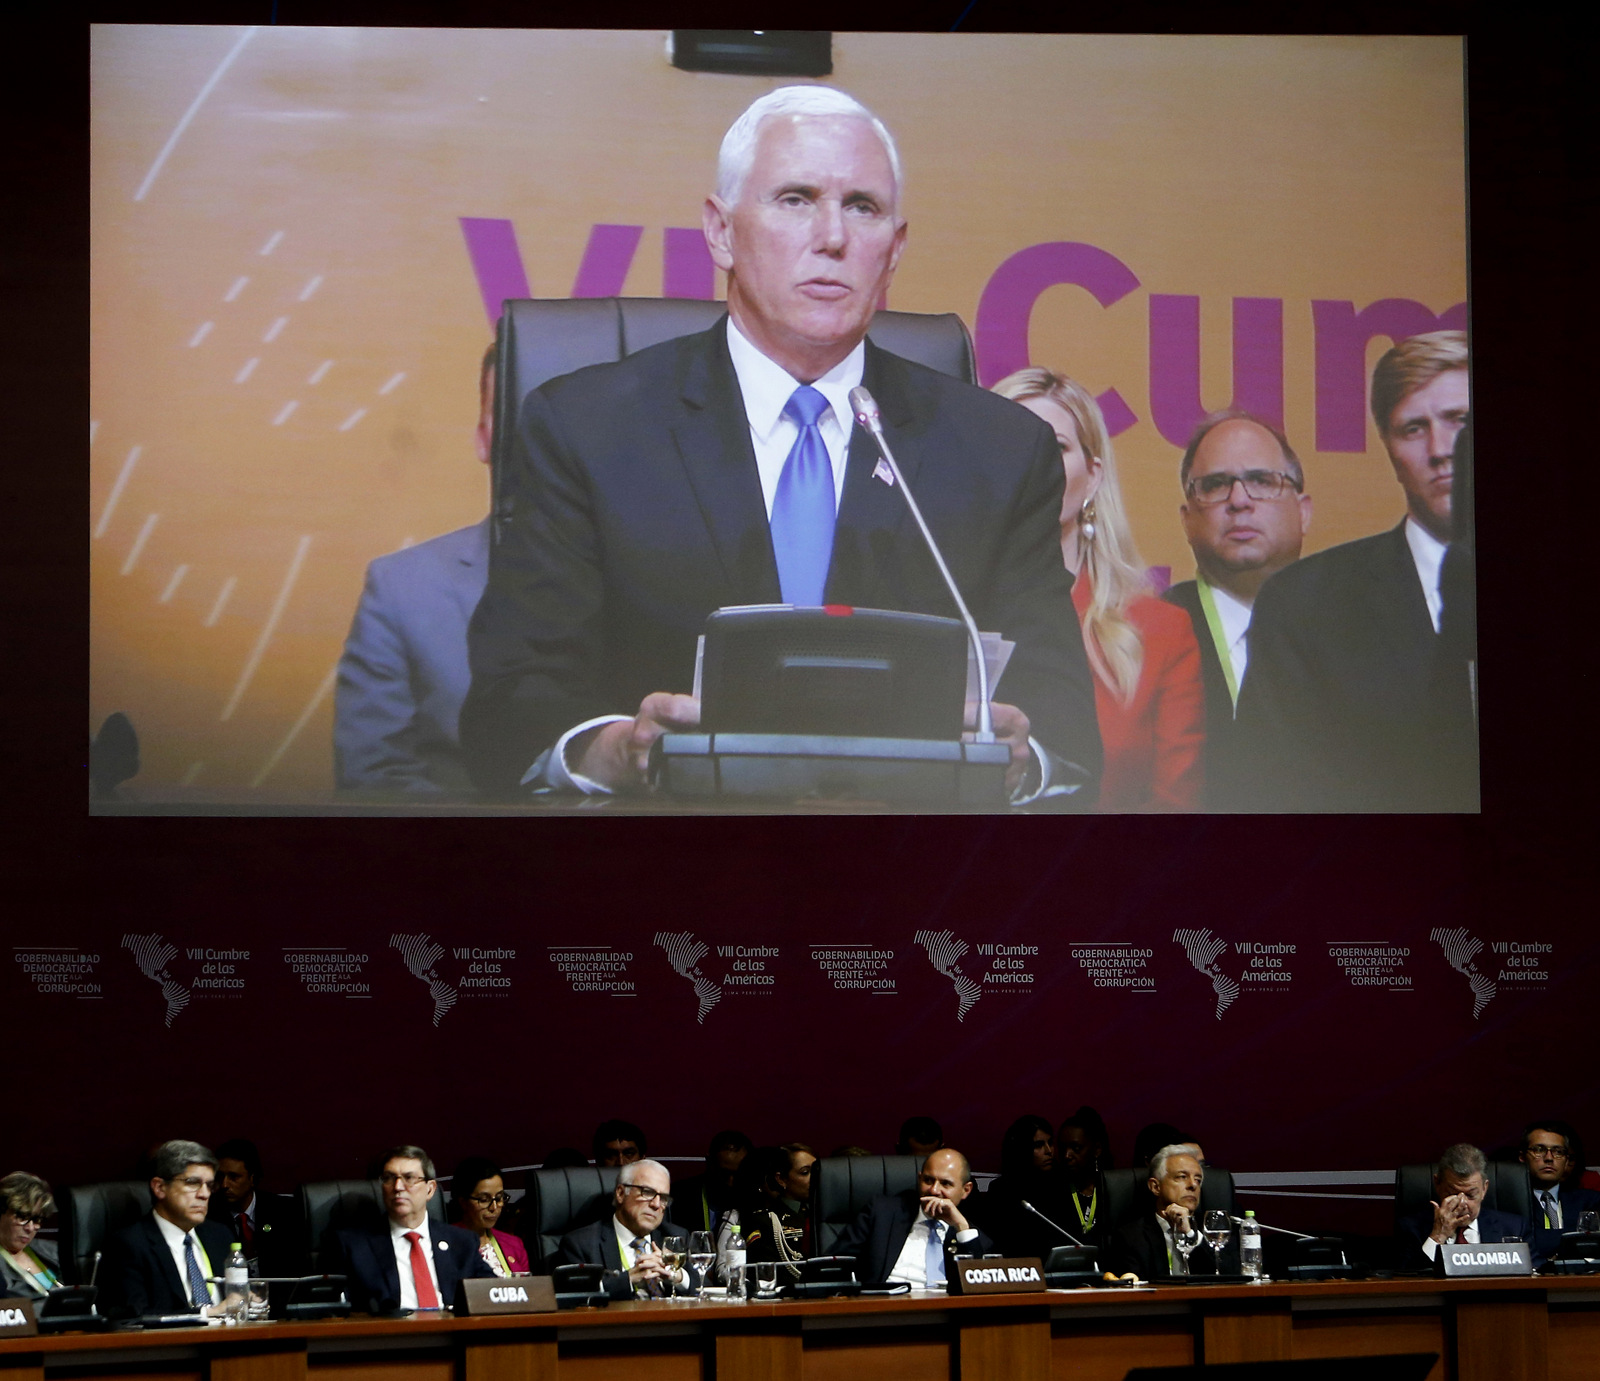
<point>912,1264</point>
<point>1427,554</point>
<point>1430,1248</point>
<point>173,1236</point>
<point>402,1259</point>
<point>1234,615</point>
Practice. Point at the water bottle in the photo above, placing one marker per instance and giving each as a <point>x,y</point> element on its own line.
<point>236,1285</point>
<point>733,1262</point>
<point>1250,1245</point>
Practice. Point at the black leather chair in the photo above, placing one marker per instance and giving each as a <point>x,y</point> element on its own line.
<point>326,1206</point>
<point>541,339</point>
<point>92,1213</point>
<point>1508,1192</point>
<point>842,1186</point>
<point>561,1200</point>
<point>1124,1195</point>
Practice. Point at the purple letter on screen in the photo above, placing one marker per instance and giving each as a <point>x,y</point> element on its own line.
<point>1001,339</point>
<point>1175,404</point>
<point>1342,336</point>
<point>496,262</point>
<point>606,260</point>
<point>686,267</point>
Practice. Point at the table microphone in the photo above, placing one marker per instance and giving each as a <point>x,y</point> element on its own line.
<point>1298,1236</point>
<point>866,411</point>
<point>1057,1226</point>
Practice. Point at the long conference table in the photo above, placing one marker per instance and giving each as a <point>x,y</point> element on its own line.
<point>1511,1329</point>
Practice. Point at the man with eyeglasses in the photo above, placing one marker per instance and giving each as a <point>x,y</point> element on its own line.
<point>1245,514</point>
<point>412,1263</point>
<point>166,1262</point>
<point>1339,709</point>
<point>1557,1202</point>
<point>628,1243</point>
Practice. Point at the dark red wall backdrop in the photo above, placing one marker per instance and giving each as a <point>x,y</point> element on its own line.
<point>1311,1074</point>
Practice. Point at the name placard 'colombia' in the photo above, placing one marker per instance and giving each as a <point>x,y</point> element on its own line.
<point>1483,1259</point>
<point>997,1276</point>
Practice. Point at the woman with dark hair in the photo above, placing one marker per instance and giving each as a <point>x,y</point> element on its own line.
<point>775,1192</point>
<point>479,1191</point>
<point>1027,1160</point>
<point>1083,1155</point>
<point>27,1267</point>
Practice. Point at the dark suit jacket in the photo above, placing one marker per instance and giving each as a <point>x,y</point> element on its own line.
<point>139,1276</point>
<point>1140,1246</point>
<point>367,1258</point>
<point>1493,1226</point>
<point>1220,752</point>
<point>1575,1199</point>
<point>1335,712</point>
<point>632,509</point>
<point>595,1244</point>
<point>403,675</point>
<point>878,1235</point>
<point>278,1248</point>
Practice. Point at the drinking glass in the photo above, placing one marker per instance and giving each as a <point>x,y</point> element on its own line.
<point>1589,1222</point>
<point>1182,1244</point>
<point>672,1254</point>
<point>1219,1228</point>
<point>256,1306</point>
<point>702,1256</point>
<point>767,1279</point>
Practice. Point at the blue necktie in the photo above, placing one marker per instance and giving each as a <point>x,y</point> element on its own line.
<point>935,1254</point>
<point>803,508</point>
<point>199,1292</point>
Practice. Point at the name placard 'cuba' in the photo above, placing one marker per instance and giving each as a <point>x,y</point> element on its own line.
<point>516,1295</point>
<point>16,1319</point>
<point>1483,1259</point>
<point>1009,1275</point>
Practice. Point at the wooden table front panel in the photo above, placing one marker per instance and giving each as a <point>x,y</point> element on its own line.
<point>1574,1345</point>
<point>1107,1351</point>
<point>854,1354</point>
<point>1501,1339</point>
<point>1371,1335</point>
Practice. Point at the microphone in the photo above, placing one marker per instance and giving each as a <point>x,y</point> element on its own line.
<point>1298,1236</point>
<point>866,411</point>
<point>1057,1226</point>
<point>94,1269</point>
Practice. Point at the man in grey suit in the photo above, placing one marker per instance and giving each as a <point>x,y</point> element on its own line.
<point>404,672</point>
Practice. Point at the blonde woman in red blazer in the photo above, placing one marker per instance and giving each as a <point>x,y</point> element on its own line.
<point>1143,652</point>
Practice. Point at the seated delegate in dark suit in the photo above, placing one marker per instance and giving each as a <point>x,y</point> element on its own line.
<point>1457,1213</point>
<point>1144,1246</point>
<point>704,1199</point>
<point>403,675</point>
<point>1245,515</point>
<point>908,1237</point>
<point>1338,708</point>
<point>28,1268</point>
<point>412,1263</point>
<point>628,1242</point>
<point>161,1264</point>
<point>267,1226</point>
<point>1559,1198</point>
<point>726,469</point>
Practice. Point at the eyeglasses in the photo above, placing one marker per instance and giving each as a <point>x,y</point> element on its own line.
<point>644,1195</point>
<point>389,1179</point>
<point>1260,485</point>
<point>489,1200</point>
<point>191,1182</point>
<point>1549,1152</point>
<point>23,1219</point>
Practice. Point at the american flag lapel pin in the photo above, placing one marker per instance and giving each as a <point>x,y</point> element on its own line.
<point>884,473</point>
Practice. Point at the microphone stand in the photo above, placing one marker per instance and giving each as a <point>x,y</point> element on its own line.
<point>1057,1226</point>
<point>1298,1236</point>
<point>866,410</point>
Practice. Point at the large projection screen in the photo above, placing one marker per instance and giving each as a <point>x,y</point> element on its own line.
<point>300,238</point>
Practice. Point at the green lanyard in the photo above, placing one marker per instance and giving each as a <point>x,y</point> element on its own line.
<point>495,1243</point>
<point>1208,602</point>
<point>1087,1224</point>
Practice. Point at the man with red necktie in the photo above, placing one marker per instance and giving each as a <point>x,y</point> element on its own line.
<point>411,1263</point>
<point>1457,1212</point>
